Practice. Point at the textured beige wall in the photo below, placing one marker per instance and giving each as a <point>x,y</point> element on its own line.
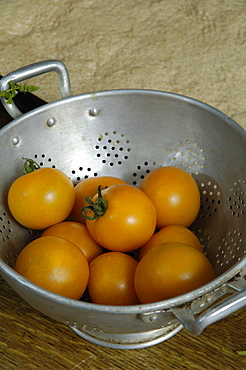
<point>195,48</point>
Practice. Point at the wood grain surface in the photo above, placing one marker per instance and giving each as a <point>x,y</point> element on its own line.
<point>30,340</point>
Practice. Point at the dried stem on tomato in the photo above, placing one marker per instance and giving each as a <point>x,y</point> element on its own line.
<point>99,207</point>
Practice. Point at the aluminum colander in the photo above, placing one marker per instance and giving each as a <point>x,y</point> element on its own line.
<point>127,133</point>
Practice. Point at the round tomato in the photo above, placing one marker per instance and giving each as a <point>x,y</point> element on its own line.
<point>79,235</point>
<point>54,264</point>
<point>169,270</point>
<point>88,188</point>
<point>111,280</point>
<point>126,218</point>
<point>175,195</point>
<point>41,198</point>
<point>171,233</point>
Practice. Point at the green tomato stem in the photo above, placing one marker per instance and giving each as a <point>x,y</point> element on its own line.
<point>30,165</point>
<point>99,207</point>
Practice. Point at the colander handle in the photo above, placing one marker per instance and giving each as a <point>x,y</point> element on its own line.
<point>196,325</point>
<point>34,70</point>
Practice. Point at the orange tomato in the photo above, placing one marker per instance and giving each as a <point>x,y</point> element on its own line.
<point>171,233</point>
<point>79,235</point>
<point>41,198</point>
<point>175,195</point>
<point>169,270</point>
<point>129,219</point>
<point>54,264</point>
<point>111,280</point>
<point>88,188</point>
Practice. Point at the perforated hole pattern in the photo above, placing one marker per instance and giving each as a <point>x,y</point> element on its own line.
<point>114,149</point>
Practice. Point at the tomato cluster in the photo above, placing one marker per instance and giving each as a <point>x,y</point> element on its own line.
<point>91,231</point>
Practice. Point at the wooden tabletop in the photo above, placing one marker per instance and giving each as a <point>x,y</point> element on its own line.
<point>30,340</point>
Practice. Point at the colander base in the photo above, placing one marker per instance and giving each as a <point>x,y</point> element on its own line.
<point>131,340</point>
